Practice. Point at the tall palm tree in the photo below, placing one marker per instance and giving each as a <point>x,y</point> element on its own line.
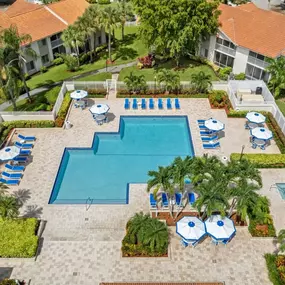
<point>170,79</point>
<point>110,19</point>
<point>201,81</point>
<point>11,39</point>
<point>124,10</point>
<point>9,207</point>
<point>135,83</point>
<point>276,69</point>
<point>74,38</point>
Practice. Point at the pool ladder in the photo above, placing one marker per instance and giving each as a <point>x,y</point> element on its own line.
<point>89,202</point>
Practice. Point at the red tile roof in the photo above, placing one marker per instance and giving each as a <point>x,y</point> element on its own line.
<point>259,30</point>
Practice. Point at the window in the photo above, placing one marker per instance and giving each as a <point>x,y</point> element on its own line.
<point>99,40</point>
<point>59,49</point>
<point>45,59</point>
<point>206,52</point>
<point>225,43</point>
<point>257,55</point>
<point>43,42</point>
<point>223,60</point>
<point>55,37</point>
<point>253,72</point>
<point>30,65</point>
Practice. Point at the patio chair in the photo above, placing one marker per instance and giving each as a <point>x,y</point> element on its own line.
<point>177,104</point>
<point>262,147</point>
<point>152,201</point>
<point>15,168</point>
<point>151,103</point>
<point>24,145</point>
<point>184,243</point>
<point>28,138</point>
<point>191,198</point>
<point>211,145</point>
<point>135,104</point>
<point>203,127</point>
<point>12,175</point>
<point>25,152</point>
<point>206,133</point>
<point>178,199</point>
<point>201,122</point>
<point>10,182</point>
<point>194,243</point>
<point>207,139</point>
<point>127,104</point>
<point>214,241</point>
<point>246,126</point>
<point>168,104</point>
<point>160,104</point>
<point>143,104</point>
<point>254,145</point>
<point>164,200</point>
<point>20,159</point>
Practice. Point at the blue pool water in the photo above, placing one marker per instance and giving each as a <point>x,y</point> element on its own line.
<point>102,173</point>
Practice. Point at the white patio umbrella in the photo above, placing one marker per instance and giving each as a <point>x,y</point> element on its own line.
<point>220,228</point>
<point>261,133</point>
<point>78,94</point>
<point>255,117</point>
<point>190,228</point>
<point>214,125</point>
<point>9,152</point>
<point>99,109</point>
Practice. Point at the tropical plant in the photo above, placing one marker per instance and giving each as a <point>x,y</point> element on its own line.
<point>276,69</point>
<point>12,41</point>
<point>109,18</point>
<point>201,82</point>
<point>124,10</point>
<point>71,61</point>
<point>9,207</point>
<point>281,240</point>
<point>169,78</point>
<point>135,83</point>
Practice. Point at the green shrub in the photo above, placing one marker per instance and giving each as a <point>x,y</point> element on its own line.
<point>18,237</point>
<point>273,273</point>
<point>96,91</point>
<point>63,111</point>
<point>58,61</point>
<point>225,72</point>
<point>259,233</point>
<point>41,107</point>
<point>240,76</point>
<point>51,95</point>
<point>27,76</point>
<point>220,99</point>
<point>103,2</point>
<point>43,69</point>
<point>263,160</point>
<point>8,282</point>
<point>237,114</point>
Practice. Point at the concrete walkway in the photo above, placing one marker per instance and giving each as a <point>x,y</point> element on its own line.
<point>112,69</point>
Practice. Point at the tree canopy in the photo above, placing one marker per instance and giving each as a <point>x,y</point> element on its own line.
<point>175,28</point>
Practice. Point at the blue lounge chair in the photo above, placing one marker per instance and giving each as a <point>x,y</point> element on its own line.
<point>160,104</point>
<point>25,152</point>
<point>14,167</point>
<point>168,103</point>
<point>184,243</point>
<point>164,200</point>
<point>178,199</point>
<point>24,145</point>
<point>211,145</point>
<point>20,159</point>
<point>143,104</point>
<point>135,104</point>
<point>207,139</point>
<point>201,122</point>
<point>9,182</point>
<point>151,103</point>
<point>191,198</point>
<point>205,133</point>
<point>127,104</point>
<point>30,138</point>
<point>202,127</point>
<point>177,104</point>
<point>12,175</point>
<point>152,201</point>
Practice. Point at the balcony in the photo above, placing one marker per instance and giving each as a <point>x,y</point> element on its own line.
<point>226,50</point>
<point>55,43</point>
<point>257,62</point>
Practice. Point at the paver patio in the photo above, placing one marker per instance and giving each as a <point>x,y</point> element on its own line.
<point>87,240</point>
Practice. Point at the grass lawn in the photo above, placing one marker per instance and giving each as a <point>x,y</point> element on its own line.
<point>97,77</point>
<point>281,104</point>
<point>44,101</point>
<point>124,52</point>
<point>185,71</point>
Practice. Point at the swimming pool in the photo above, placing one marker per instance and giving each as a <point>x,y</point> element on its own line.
<point>101,174</point>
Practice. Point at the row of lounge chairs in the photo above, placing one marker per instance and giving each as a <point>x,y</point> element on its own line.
<point>13,173</point>
<point>208,137</point>
<point>165,202</point>
<point>151,105</point>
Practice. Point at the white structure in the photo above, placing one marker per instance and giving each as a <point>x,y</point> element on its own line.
<point>45,24</point>
<point>247,36</point>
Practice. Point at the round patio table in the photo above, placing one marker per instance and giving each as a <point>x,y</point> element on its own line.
<point>100,118</point>
<point>259,142</point>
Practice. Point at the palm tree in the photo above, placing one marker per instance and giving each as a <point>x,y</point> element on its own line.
<point>170,79</point>
<point>74,38</point>
<point>9,207</point>
<point>201,81</point>
<point>11,39</point>
<point>135,83</point>
<point>110,19</point>
<point>276,69</point>
<point>124,10</point>
<point>281,240</point>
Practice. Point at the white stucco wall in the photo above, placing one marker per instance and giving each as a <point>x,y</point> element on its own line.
<point>240,60</point>
<point>212,44</point>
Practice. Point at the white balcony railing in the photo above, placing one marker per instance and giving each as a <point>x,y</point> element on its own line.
<point>257,62</point>
<point>56,43</point>
<point>225,49</point>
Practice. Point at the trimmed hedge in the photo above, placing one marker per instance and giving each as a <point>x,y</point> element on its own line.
<point>259,233</point>
<point>274,275</point>
<point>6,127</point>
<point>18,237</point>
<point>63,111</point>
<point>263,160</point>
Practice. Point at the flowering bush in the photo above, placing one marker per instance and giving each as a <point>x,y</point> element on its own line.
<point>146,61</point>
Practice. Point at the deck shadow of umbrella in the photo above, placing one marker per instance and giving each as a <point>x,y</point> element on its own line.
<point>111,117</point>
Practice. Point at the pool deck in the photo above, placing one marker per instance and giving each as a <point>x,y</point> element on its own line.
<point>81,244</point>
